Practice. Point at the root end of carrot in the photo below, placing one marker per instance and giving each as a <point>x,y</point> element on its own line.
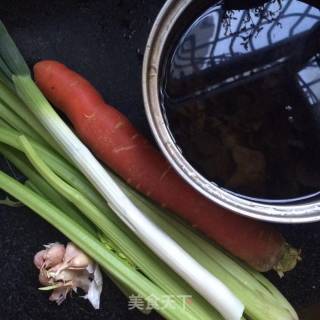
<point>289,260</point>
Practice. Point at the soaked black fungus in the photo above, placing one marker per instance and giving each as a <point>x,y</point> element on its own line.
<point>241,91</point>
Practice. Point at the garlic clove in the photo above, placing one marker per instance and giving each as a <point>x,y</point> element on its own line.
<point>55,270</point>
<point>54,254</point>
<point>66,276</point>
<point>44,278</point>
<point>75,258</point>
<point>80,279</point>
<point>58,295</point>
<point>39,259</point>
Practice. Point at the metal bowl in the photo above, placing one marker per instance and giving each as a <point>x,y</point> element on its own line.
<point>160,37</point>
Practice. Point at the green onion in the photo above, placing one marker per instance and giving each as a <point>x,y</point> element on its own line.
<point>261,299</point>
<point>11,100</point>
<point>10,55</point>
<point>136,251</point>
<point>5,75</point>
<point>12,118</point>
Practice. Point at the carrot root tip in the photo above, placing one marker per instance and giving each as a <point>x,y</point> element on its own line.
<point>289,260</point>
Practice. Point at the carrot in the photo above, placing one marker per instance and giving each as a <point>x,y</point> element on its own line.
<point>115,141</point>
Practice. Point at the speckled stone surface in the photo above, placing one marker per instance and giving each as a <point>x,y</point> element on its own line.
<point>103,40</point>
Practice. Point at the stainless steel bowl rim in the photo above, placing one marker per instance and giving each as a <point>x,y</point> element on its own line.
<point>166,19</point>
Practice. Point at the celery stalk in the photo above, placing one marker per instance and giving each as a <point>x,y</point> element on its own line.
<point>34,188</point>
<point>120,271</point>
<point>153,267</point>
<point>152,270</point>
<point>58,164</point>
<point>259,302</point>
<point>53,196</point>
<point>198,243</point>
<point>141,255</point>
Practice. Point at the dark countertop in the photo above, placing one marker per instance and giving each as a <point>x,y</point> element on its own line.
<point>103,40</point>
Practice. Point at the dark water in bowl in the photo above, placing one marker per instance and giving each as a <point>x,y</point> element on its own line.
<point>241,92</point>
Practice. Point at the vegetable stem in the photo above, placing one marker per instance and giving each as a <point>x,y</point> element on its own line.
<point>12,101</point>
<point>12,118</point>
<point>153,267</point>
<point>19,162</point>
<point>78,235</point>
<point>212,289</point>
<point>10,54</point>
<point>260,302</point>
<point>33,187</point>
<point>59,166</point>
<point>5,75</point>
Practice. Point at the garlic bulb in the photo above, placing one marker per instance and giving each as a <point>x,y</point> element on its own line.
<point>64,269</point>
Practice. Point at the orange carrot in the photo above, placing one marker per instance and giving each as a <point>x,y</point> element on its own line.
<point>114,140</point>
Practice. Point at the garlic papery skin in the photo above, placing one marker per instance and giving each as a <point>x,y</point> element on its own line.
<point>95,289</point>
<point>77,279</point>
